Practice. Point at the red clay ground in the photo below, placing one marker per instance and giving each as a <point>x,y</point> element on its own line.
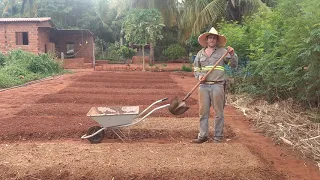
<point>41,125</point>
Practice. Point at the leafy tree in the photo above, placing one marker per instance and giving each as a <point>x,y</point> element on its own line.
<point>143,26</point>
<point>167,8</point>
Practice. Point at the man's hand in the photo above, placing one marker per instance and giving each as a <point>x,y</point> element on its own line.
<point>201,79</point>
<point>230,50</point>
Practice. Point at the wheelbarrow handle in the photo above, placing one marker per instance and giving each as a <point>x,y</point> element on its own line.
<point>164,99</point>
<point>161,100</point>
<point>205,76</point>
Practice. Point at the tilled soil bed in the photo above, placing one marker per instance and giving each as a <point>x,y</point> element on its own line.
<point>41,126</point>
<point>141,92</point>
<point>119,85</point>
<point>80,110</point>
<point>107,99</point>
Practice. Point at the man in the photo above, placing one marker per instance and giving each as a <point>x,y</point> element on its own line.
<point>211,89</point>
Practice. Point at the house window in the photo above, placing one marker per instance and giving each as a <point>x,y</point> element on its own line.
<point>22,38</point>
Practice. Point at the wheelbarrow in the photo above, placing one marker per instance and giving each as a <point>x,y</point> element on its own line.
<point>115,117</point>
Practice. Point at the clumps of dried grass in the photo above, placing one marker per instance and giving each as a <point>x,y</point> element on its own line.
<point>283,121</point>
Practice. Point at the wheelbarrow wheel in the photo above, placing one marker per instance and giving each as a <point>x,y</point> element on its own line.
<point>96,138</point>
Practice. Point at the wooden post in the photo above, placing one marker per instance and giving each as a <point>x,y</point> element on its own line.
<point>94,58</point>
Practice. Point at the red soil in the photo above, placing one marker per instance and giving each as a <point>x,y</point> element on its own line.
<point>41,125</point>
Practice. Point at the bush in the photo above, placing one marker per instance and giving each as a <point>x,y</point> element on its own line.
<point>2,59</point>
<point>14,75</point>
<point>19,58</point>
<point>6,80</point>
<point>117,52</point>
<point>126,52</point>
<point>112,53</point>
<point>21,67</point>
<point>175,51</point>
<point>15,71</point>
<point>43,64</point>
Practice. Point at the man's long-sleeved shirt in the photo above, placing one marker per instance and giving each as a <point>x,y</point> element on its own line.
<point>203,63</point>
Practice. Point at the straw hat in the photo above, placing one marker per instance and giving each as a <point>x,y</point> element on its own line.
<point>202,39</point>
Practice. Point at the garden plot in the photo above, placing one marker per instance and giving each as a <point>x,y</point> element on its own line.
<point>41,129</point>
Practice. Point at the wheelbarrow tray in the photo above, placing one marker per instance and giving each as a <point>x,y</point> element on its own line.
<point>114,115</point>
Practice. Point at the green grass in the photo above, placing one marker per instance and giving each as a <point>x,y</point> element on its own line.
<point>187,69</point>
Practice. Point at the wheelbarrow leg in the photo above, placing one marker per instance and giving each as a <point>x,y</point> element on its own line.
<point>113,130</point>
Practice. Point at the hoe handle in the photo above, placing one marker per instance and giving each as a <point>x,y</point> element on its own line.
<point>205,76</point>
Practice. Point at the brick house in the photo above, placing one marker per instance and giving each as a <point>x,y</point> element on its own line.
<point>39,35</point>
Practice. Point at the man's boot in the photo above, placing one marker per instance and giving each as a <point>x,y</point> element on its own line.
<point>200,140</point>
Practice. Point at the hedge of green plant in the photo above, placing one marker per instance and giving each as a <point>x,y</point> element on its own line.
<point>116,52</point>
<point>175,51</point>
<point>280,50</point>
<point>19,67</point>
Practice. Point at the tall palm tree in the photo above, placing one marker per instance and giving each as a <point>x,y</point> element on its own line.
<point>200,14</point>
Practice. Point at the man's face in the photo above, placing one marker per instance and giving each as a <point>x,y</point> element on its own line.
<point>212,40</point>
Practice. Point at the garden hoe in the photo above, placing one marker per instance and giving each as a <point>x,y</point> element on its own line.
<point>179,107</point>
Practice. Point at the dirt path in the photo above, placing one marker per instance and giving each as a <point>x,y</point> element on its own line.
<point>41,125</point>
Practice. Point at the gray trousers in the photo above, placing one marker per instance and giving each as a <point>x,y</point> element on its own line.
<point>211,95</point>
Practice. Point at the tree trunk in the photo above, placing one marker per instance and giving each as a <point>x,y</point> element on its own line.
<point>121,36</point>
<point>143,69</point>
<point>121,41</point>
<point>151,58</point>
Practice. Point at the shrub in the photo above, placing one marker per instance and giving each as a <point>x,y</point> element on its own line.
<point>175,51</point>
<point>15,71</point>
<point>2,59</point>
<point>43,64</point>
<point>19,58</point>
<point>126,52</point>
<point>113,55</point>
<point>112,52</point>
<point>6,80</point>
<point>14,75</point>
<point>21,67</point>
